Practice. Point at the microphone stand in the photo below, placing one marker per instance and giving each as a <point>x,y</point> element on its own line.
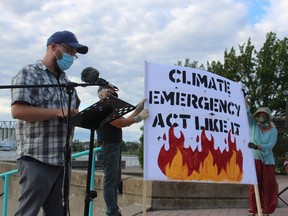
<point>70,87</point>
<point>67,153</point>
<point>94,117</point>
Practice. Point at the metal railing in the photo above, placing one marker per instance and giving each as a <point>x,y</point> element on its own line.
<point>6,176</point>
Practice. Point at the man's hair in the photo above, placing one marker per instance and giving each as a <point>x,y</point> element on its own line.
<point>103,87</point>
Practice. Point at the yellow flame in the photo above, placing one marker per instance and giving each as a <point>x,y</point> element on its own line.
<point>233,170</point>
<point>207,171</point>
<point>177,170</point>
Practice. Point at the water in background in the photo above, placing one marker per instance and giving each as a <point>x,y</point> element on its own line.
<point>130,160</point>
<point>8,155</point>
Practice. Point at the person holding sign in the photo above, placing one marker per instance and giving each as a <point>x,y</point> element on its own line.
<point>109,137</point>
<point>263,137</point>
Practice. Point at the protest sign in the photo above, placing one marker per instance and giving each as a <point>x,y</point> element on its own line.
<point>197,128</point>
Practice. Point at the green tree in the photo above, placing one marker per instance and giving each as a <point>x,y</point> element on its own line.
<point>263,73</point>
<point>264,76</point>
<point>130,148</point>
<point>77,146</point>
<point>141,149</point>
<point>279,153</point>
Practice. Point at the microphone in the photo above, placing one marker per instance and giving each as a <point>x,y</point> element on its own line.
<point>91,75</point>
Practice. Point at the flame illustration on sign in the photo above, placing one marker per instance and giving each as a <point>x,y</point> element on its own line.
<point>210,164</point>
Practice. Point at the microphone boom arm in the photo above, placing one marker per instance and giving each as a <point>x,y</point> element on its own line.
<point>103,82</point>
<point>69,84</point>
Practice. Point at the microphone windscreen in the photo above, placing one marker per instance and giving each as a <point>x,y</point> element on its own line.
<point>90,75</point>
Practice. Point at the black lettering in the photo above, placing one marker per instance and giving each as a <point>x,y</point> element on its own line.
<point>172,76</point>
<point>168,120</point>
<point>158,120</point>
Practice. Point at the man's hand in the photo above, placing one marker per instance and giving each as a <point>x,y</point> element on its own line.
<point>140,105</point>
<point>142,115</point>
<point>63,113</point>
<point>252,145</point>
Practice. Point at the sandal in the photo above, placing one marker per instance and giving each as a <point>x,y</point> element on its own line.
<point>251,214</point>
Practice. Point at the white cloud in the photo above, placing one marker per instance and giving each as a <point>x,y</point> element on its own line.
<point>122,34</point>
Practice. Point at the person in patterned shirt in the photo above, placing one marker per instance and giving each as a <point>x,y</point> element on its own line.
<point>41,131</point>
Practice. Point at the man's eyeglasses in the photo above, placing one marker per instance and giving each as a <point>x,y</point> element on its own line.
<point>69,51</point>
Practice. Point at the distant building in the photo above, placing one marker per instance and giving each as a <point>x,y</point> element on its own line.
<point>7,135</point>
<point>7,130</point>
<point>7,145</point>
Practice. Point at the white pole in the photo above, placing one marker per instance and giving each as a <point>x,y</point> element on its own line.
<point>258,203</point>
<point>144,197</point>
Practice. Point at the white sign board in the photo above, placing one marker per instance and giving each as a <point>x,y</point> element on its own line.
<point>197,128</point>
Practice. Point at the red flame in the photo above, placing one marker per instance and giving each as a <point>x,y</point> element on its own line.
<point>228,167</point>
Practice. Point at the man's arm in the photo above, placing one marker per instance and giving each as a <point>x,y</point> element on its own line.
<point>122,122</point>
<point>125,122</point>
<point>32,114</point>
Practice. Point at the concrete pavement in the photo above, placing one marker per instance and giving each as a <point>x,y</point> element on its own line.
<point>282,209</point>
<point>137,210</point>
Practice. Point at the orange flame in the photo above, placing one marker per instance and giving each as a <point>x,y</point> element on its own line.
<point>210,164</point>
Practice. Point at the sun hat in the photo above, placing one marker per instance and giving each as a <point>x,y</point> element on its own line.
<point>263,110</point>
<point>68,38</point>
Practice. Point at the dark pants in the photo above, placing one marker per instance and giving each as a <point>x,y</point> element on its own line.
<point>109,156</point>
<point>40,186</point>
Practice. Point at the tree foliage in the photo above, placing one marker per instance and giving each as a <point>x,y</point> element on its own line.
<point>130,148</point>
<point>141,150</point>
<point>77,146</point>
<point>264,75</point>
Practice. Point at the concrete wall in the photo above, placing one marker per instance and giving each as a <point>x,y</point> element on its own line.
<point>132,190</point>
<point>187,195</point>
<point>160,195</point>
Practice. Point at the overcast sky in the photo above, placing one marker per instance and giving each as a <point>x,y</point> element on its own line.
<point>122,34</point>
